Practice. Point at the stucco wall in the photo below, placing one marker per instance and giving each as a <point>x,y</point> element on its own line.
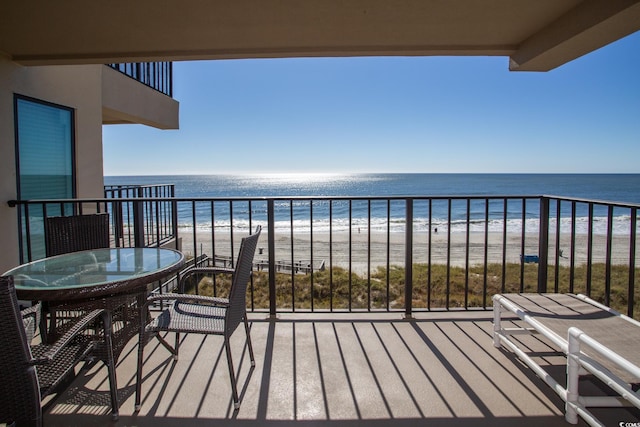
<point>124,100</point>
<point>78,87</point>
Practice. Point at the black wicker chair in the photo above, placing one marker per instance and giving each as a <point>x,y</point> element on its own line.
<point>64,234</point>
<point>199,314</point>
<point>31,371</point>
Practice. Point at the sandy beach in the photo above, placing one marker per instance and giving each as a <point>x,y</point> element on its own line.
<point>341,250</point>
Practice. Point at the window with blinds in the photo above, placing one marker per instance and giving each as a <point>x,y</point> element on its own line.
<point>45,161</point>
<point>45,150</point>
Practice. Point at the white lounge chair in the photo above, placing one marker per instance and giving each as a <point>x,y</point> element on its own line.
<point>595,339</point>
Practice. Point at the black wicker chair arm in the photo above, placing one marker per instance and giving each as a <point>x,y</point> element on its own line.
<point>34,311</point>
<point>62,342</point>
<point>213,270</point>
<point>31,320</point>
<point>223,302</point>
<point>201,270</point>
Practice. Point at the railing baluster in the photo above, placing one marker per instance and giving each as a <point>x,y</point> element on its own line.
<point>138,220</point>
<point>293,277</point>
<point>272,260</point>
<point>331,288</point>
<point>504,244</point>
<point>543,245</point>
<point>408,259</point>
<point>523,243</point>
<point>251,288</point>
<point>556,278</point>
<point>27,227</point>
<point>572,266</point>
<point>369,255</point>
<point>350,253</point>
<point>448,282</point>
<point>632,263</point>
<point>311,251</point>
<point>486,253</point>
<point>213,230</point>
<point>231,242</point>
<point>194,232</point>
<point>466,254</point>
<point>589,248</point>
<point>607,274</point>
<point>430,228</point>
<point>158,228</point>
<point>388,254</point>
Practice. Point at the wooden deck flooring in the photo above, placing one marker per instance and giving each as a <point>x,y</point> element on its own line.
<point>439,369</point>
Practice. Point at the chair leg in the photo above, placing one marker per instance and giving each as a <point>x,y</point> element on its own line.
<point>234,388</point>
<point>142,337</point>
<point>111,368</point>
<point>171,349</point>
<point>44,332</point>
<point>50,335</point>
<point>177,346</point>
<point>139,376</point>
<point>247,330</point>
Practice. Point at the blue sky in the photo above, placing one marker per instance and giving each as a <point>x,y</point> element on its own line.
<point>393,114</point>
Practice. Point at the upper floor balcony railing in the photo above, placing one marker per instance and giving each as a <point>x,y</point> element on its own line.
<point>156,75</point>
<point>380,253</point>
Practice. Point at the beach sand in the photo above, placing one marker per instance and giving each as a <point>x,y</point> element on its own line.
<point>341,250</point>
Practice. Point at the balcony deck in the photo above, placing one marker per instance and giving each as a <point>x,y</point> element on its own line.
<point>332,369</point>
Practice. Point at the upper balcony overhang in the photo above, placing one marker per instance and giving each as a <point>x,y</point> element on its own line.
<point>126,101</point>
<point>536,35</point>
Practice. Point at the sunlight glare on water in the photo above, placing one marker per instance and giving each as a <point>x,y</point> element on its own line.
<point>296,177</point>
<point>297,184</point>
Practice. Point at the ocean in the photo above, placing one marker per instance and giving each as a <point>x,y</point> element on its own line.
<point>623,188</point>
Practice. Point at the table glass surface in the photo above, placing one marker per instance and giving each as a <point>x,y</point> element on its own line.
<point>93,268</point>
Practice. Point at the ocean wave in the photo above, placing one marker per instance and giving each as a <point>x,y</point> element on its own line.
<point>599,226</point>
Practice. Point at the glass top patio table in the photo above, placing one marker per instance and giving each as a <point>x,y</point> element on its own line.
<point>94,273</point>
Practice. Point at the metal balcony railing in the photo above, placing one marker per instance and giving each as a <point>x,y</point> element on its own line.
<point>315,256</point>
<point>153,220</point>
<point>156,75</point>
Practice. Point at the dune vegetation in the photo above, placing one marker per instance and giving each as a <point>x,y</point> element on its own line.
<point>436,288</point>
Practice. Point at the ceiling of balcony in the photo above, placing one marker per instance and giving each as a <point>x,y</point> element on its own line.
<point>537,35</point>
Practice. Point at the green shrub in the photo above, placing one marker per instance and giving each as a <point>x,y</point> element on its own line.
<point>339,290</point>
